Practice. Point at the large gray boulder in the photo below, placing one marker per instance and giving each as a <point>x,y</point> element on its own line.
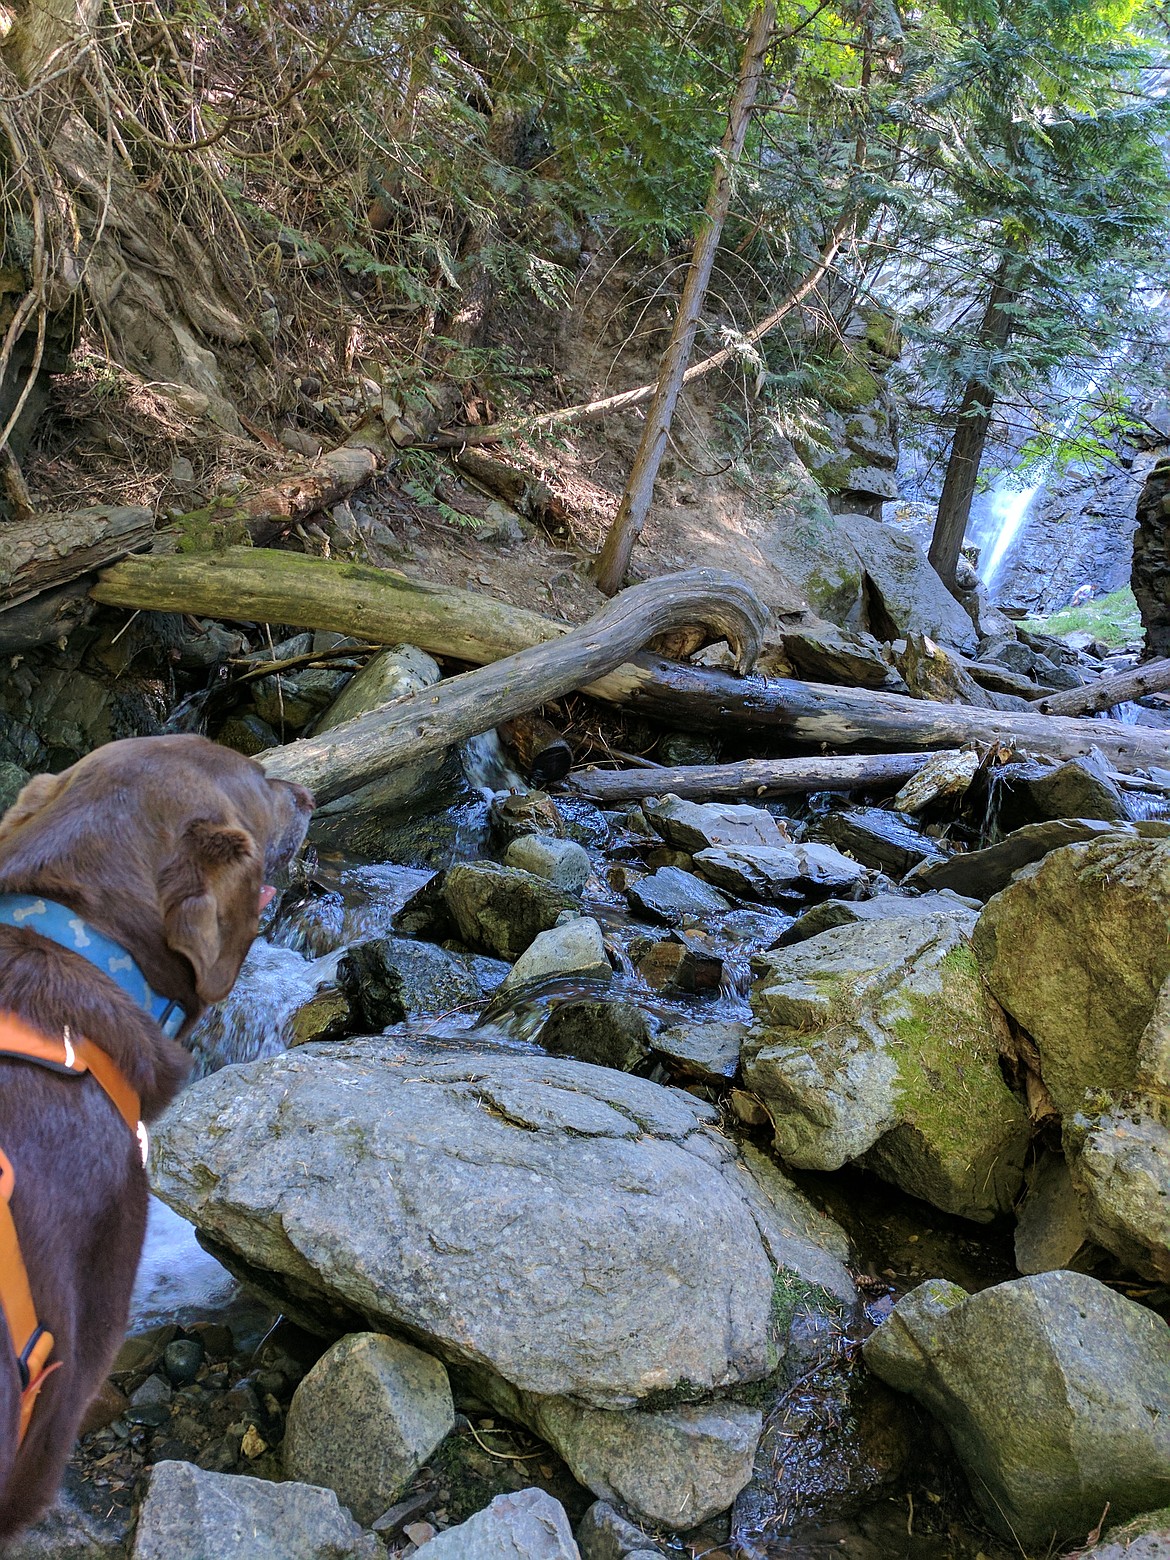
<point>365,1419</point>
<point>877,1039</point>
<point>1055,1391</point>
<point>464,1201</point>
<point>576,948</point>
<point>913,598</point>
<point>529,1525</point>
<point>1075,948</point>
<point>693,826</point>
<point>189,1514</point>
<point>562,862</point>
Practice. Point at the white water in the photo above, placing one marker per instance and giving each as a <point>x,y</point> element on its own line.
<point>1007,509</point>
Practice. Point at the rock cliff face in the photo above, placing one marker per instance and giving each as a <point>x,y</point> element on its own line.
<point>1151,558</point>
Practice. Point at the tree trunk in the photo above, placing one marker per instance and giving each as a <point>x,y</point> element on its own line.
<point>1105,692</point>
<point>974,420</point>
<point>636,500</point>
<point>426,723</point>
<point>755,777</point>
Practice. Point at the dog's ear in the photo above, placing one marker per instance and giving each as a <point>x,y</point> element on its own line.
<point>32,799</point>
<point>209,892</point>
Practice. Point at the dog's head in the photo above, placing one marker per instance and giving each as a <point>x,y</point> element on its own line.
<point>167,844</point>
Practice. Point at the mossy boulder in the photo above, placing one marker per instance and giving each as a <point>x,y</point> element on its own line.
<point>1054,1390</point>
<point>877,1042</point>
<point>1075,948</point>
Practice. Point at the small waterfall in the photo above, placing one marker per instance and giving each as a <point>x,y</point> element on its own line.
<point>1007,510</point>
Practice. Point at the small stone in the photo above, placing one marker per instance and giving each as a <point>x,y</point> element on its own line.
<point>878,838</point>
<point>695,826</point>
<point>182,1359</point>
<point>253,1444</point>
<point>675,897</point>
<point>774,872</point>
<point>529,1525</point>
<point>574,948</point>
<point>603,1534</point>
<point>608,1034</point>
<point>680,966</point>
<point>562,862</point>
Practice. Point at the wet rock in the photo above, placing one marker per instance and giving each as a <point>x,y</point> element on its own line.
<point>526,812</point>
<point>982,873</point>
<point>1055,1392</point>
<point>389,979</point>
<point>576,948</point>
<point>465,1198</point>
<point>877,1040</point>
<point>500,910</point>
<point>943,774</point>
<point>695,826</point>
<point>706,1051</point>
<point>603,1534</point>
<point>608,1034</point>
<point>182,1359</point>
<point>247,733</point>
<point>365,1419</point>
<point>190,1514</point>
<point>1050,1226</point>
<point>1075,949</point>
<point>878,838</point>
<point>680,964</point>
<point>288,701</point>
<point>326,1015</point>
<point>1030,793</point>
<point>563,862</point>
<point>1119,1164</point>
<point>529,1525</point>
<point>772,872</point>
<point>882,907</point>
<point>675,896</point>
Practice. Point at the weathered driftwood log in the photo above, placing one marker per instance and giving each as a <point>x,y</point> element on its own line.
<point>50,550</point>
<point>1105,692</point>
<point>386,608</point>
<point>266,585</point>
<point>46,618</point>
<point>815,714</point>
<point>754,777</point>
<point>360,750</point>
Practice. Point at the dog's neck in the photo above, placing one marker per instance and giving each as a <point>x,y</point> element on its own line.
<point>49,918</point>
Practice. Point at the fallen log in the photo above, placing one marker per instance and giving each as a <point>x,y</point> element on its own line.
<point>1105,692</point>
<point>816,714</point>
<point>386,608</point>
<point>425,723</point>
<point>46,551</point>
<point>256,584</point>
<point>754,777</point>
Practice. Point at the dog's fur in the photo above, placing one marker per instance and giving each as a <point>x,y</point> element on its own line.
<point>163,844</point>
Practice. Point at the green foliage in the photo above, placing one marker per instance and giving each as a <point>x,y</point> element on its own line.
<point>1113,619</point>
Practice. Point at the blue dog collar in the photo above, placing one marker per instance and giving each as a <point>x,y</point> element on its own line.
<point>66,927</point>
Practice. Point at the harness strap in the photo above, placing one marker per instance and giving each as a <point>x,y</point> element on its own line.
<point>31,1343</point>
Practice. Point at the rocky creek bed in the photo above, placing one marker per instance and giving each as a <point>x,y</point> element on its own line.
<point>690,1179</point>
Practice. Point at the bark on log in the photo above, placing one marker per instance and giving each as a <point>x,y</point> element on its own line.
<point>1105,692</point>
<point>754,777</point>
<point>386,608</point>
<point>50,550</point>
<point>413,728</point>
<point>253,584</point>
<point>816,714</point>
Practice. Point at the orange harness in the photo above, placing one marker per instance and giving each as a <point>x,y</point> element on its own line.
<point>31,1344</point>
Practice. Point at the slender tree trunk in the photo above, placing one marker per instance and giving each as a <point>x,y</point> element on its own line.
<point>974,420</point>
<point>635,505</point>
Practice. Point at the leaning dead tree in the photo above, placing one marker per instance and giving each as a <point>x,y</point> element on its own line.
<point>417,727</point>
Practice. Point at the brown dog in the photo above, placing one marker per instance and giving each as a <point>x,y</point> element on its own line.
<point>163,845</point>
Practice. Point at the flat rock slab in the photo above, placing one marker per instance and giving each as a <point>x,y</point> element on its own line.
<point>882,907</point>
<point>694,826</point>
<point>877,1039</point>
<point>529,1525</point>
<point>579,1231</point>
<point>675,896</point>
<point>879,838</point>
<point>1055,1391</point>
<point>982,873</point>
<point>774,872</point>
<point>707,1051</point>
<point>190,1514</point>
